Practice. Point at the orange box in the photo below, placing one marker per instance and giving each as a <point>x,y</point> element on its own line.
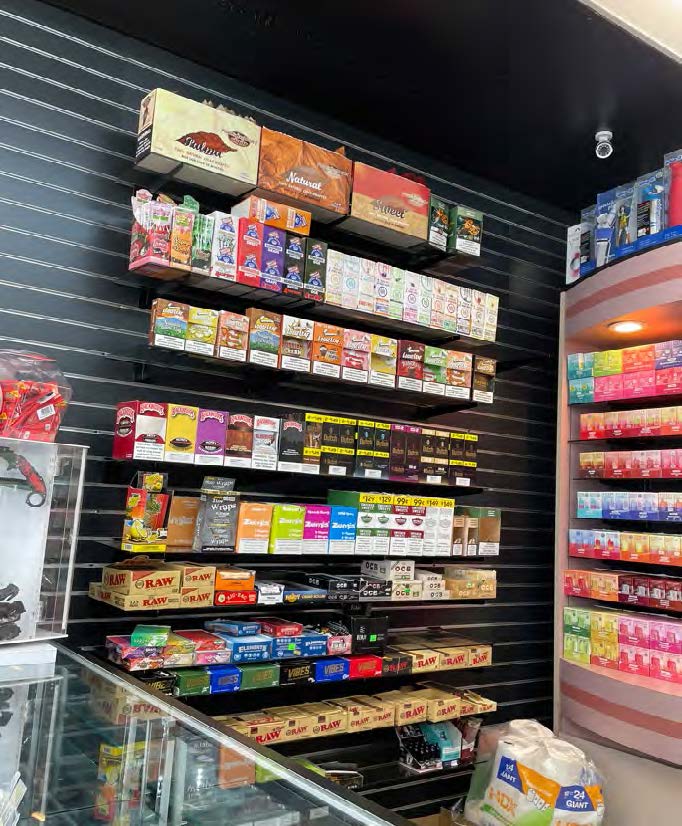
<point>639,358</point>
<point>273,214</point>
<point>327,350</point>
<point>182,517</point>
<point>253,528</point>
<point>234,769</point>
<point>234,579</point>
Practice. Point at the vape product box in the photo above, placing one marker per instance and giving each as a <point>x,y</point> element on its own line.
<point>312,443</point>
<point>410,366</point>
<point>272,259</point>
<point>265,334</point>
<point>410,297</point>
<point>356,351</point>
<point>262,675</point>
<point>273,214</point>
<point>388,207</point>
<point>665,636</point>
<point>294,265</point>
<point>337,452</point>
<point>458,374</point>
<point>580,391</point>
<point>315,270</point>
<point>253,527</point>
<point>332,669</point>
<point>636,359</point>
<point>577,649</point>
<point>342,529</point>
<point>608,388</point>
<point>580,365</point>
<point>232,338</point>
<point>150,236</point>
<point>669,381</point>
<point>382,289</point>
<point>577,621</point>
<point>220,150</point>
<point>577,583</point>
<point>607,363</point>
<point>439,222</point>
<point>435,360</point>
<point>140,430</point>
<point>366,285</point>
<point>239,440</point>
<point>301,171</point>
<point>286,531</point>
<point>296,345</point>
<point>265,443</point>
<point>351,282</point>
<point>327,350</point>
<point>483,380</point>
<point>639,385</point>
<point>634,660</point>
<point>604,653</point>
<point>383,356</point>
<point>202,331</point>
<point>316,529</point>
<point>592,426</point>
<point>396,294</point>
<point>223,262</point>
<point>634,630</point>
<point>291,442</point>
<point>591,465</point>
<point>605,228</point>
<point>334,288</point>
<point>426,297</point>
<point>668,354</point>
<point>181,433</point>
<point>249,251</point>
<point>182,517</point>
<point>168,324</point>
<point>210,439</point>
<point>465,230</point>
<point>437,319</point>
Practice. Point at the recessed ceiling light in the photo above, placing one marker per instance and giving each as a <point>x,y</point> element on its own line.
<point>626,326</point>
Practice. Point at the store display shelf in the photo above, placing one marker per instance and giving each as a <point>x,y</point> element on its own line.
<point>661,400</point>
<point>640,713</point>
<point>623,606</point>
<point>259,378</point>
<point>643,439</point>
<point>621,481</point>
<point>660,525</point>
<point>643,564</point>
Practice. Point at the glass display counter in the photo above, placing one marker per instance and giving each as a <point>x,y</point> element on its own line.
<point>87,746</point>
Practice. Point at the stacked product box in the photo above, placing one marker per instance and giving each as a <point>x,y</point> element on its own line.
<point>665,463</point>
<point>626,546</point>
<point>631,373</point>
<point>633,506</point>
<point>628,588</point>
<point>625,424</point>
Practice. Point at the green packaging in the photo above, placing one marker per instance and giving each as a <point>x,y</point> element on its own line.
<point>156,635</point>
<point>191,682</point>
<point>202,241</point>
<point>286,529</point>
<point>607,363</point>
<point>439,222</point>
<point>260,675</point>
<point>465,230</point>
<point>577,622</point>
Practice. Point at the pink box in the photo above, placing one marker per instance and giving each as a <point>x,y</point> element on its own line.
<point>316,529</point>
<point>577,583</point>
<point>249,251</point>
<point>671,463</point>
<point>650,467</point>
<point>666,636</point>
<point>634,630</point>
<point>634,660</point>
<point>666,666</point>
<point>608,388</point>
<point>638,385</point>
<point>581,543</point>
<point>591,425</point>
<point>604,545</point>
<point>668,382</point>
<point>617,463</point>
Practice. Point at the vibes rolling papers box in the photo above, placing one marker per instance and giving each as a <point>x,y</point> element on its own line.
<point>356,350</point>
<point>383,355</point>
<point>214,148</point>
<point>302,171</point>
<point>263,675</point>
<point>253,527</point>
<point>316,529</point>
<point>249,251</point>
<point>296,671</point>
<point>202,330</point>
<point>291,442</point>
<point>465,230</point>
<point>239,440</point>
<point>265,333</point>
<point>337,451</point>
<point>168,324</point>
<point>210,440</point>
<point>273,214</point>
<point>232,339</point>
<point>388,207</point>
<point>296,346</point>
<point>410,366</point>
<point>265,443</point>
<point>182,517</point>
<point>315,270</point>
<point>272,262</point>
<point>140,430</point>
<point>181,433</point>
<point>223,263</point>
<point>327,350</point>
<point>312,443</point>
<point>331,669</point>
<point>286,529</point>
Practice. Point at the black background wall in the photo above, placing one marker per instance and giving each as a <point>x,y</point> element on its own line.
<point>69,99</point>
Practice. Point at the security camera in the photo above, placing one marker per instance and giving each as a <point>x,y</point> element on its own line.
<point>604,148</point>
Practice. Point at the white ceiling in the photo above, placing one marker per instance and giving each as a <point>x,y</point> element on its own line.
<point>658,22</point>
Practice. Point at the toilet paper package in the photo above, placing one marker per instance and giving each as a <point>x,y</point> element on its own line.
<point>527,777</point>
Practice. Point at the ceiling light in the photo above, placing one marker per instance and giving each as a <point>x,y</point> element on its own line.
<point>626,326</point>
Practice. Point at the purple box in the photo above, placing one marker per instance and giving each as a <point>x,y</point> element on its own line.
<point>668,354</point>
<point>316,529</point>
<point>669,507</point>
<point>210,443</point>
<point>272,266</point>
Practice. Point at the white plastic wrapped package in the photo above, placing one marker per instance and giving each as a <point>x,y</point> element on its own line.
<point>535,780</point>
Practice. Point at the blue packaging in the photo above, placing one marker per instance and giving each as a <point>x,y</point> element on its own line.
<point>580,391</point>
<point>272,266</point>
<point>650,209</point>
<point>587,217</point>
<point>236,628</point>
<point>643,505</point>
<point>294,592</point>
<point>605,228</point>
<point>224,678</point>
<point>580,365</point>
<point>333,669</point>
<point>615,505</point>
<point>342,527</point>
<point>625,227</point>
<point>284,647</point>
<point>589,505</point>
<point>672,161</point>
<point>447,737</point>
<point>254,648</point>
<point>668,510</point>
<point>313,644</point>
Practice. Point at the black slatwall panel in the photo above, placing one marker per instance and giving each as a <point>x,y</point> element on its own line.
<point>69,98</point>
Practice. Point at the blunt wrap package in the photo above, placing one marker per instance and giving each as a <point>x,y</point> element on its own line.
<point>530,778</point>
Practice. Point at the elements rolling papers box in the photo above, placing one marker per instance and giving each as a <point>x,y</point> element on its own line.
<point>140,430</point>
<point>236,628</point>
<point>265,443</point>
<point>253,527</point>
<point>168,324</point>
<point>232,340</point>
<point>247,649</point>
<point>315,270</point>
<point>388,206</point>
<point>202,329</point>
<point>286,530</point>
<point>210,439</point>
<point>302,171</point>
<point>265,332</point>
<point>273,214</point>
<point>296,346</point>
<point>332,669</point>
<point>220,150</point>
<point>181,432</point>
<point>259,676</point>
<point>327,349</point>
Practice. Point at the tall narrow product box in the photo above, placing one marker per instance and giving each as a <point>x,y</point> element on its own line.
<point>437,319</point>
<point>334,289</point>
<point>396,294</point>
<point>265,443</point>
<point>316,529</point>
<point>150,236</point>
<point>223,263</point>
<point>451,304</point>
<point>351,282</point>
<point>181,234</point>
<point>210,443</point>
<point>181,433</point>
<point>366,285</point>
<point>239,440</point>
<point>337,452</point>
<point>253,527</point>
<point>140,430</point>
<point>202,331</point>
<point>265,334</point>
<point>410,366</point>
<point>435,360</point>
<point>312,443</point>
<point>458,374</point>
<point>286,530</point>
<point>168,324</point>
<point>327,350</point>
<point>249,251</point>
<point>464,311</point>
<point>465,231</point>
<point>296,346</point>
<point>315,271</point>
<point>232,340</point>
<point>410,297</point>
<point>294,265</point>
<point>382,289</point>
<point>198,143</point>
<point>272,260</point>
<point>382,364</point>
<point>356,349</point>
<point>342,530</point>
<point>425,298</point>
<point>439,222</point>
<point>291,442</point>
<point>483,381</point>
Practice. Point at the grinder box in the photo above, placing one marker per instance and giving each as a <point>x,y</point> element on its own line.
<point>198,143</point>
<point>388,207</point>
<point>140,430</point>
<point>301,171</point>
